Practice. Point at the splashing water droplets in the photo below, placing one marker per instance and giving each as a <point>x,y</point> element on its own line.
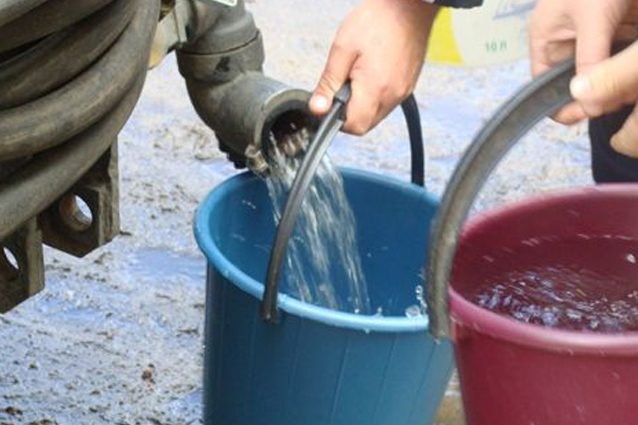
<point>577,284</point>
<point>413,311</point>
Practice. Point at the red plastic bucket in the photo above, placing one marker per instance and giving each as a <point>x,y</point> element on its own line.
<point>515,373</point>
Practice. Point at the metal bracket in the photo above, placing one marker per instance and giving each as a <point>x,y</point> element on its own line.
<point>21,266</point>
<point>87,216</point>
<point>171,31</point>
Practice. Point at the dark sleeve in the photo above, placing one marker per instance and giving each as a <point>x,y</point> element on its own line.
<point>465,4</point>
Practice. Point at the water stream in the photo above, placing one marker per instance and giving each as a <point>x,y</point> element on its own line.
<point>322,266</point>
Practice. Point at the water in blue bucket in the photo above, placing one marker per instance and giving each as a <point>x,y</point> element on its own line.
<point>319,366</point>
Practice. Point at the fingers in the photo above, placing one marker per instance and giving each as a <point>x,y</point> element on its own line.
<point>363,106</point>
<point>563,29</point>
<point>551,41</point>
<point>374,91</point>
<point>335,74</point>
<point>608,85</point>
<point>544,56</point>
<point>550,38</point>
<point>594,35</point>
<point>545,52</point>
<point>362,110</point>
<point>626,140</point>
<point>571,114</point>
<point>593,45</point>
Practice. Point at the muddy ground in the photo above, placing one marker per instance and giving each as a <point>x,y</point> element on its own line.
<point>116,337</point>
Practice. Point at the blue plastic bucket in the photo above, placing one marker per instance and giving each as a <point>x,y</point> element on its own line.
<point>319,366</point>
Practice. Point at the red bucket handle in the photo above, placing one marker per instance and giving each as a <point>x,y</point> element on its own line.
<point>537,100</point>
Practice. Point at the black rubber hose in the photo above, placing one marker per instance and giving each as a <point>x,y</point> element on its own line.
<point>28,55</point>
<point>539,99</point>
<point>84,116</point>
<point>66,112</point>
<point>50,174</point>
<point>320,143</point>
<point>317,148</point>
<point>59,58</point>
<point>413,120</point>
<point>13,9</point>
<point>46,19</point>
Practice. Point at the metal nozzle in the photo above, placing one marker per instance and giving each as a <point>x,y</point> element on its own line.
<point>285,124</point>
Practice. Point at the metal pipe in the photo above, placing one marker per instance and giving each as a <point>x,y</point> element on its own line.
<point>223,72</point>
<point>245,111</point>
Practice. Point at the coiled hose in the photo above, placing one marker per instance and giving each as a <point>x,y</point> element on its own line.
<point>70,74</point>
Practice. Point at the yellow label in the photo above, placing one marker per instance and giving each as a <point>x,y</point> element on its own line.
<point>442,46</point>
<point>494,33</point>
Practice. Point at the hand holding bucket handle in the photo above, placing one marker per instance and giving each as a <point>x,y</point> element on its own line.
<point>539,99</point>
<point>317,148</point>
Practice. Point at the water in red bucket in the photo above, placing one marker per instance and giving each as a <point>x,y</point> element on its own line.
<point>585,283</point>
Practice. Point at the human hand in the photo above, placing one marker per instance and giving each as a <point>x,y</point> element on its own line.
<point>380,47</point>
<point>608,86</point>
<point>586,29</point>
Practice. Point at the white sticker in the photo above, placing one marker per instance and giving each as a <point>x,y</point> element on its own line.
<point>224,2</point>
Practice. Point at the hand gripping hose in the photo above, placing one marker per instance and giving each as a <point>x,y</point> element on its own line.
<point>317,148</point>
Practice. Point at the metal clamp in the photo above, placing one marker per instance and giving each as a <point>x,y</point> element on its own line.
<point>171,31</point>
<point>87,216</point>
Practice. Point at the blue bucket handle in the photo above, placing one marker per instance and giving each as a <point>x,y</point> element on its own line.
<point>329,127</point>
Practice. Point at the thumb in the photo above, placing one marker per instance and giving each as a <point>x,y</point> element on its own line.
<point>335,74</point>
<point>609,84</point>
